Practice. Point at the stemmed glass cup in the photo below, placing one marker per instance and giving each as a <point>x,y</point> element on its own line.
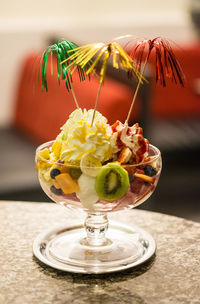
<point>96,246</point>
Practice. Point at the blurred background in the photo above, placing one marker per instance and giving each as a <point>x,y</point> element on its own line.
<point>170,116</point>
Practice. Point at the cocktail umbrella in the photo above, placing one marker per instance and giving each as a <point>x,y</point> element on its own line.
<point>165,64</point>
<point>84,54</point>
<point>64,72</point>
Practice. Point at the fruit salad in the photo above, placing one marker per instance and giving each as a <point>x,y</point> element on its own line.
<point>98,167</point>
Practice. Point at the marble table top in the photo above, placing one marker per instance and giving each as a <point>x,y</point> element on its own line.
<point>171,276</point>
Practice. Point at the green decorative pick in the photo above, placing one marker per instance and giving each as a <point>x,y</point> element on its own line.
<point>64,72</point>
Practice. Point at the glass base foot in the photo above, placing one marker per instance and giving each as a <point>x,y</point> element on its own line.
<point>66,249</point>
<point>119,250</point>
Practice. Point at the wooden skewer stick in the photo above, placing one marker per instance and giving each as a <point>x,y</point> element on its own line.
<point>74,96</point>
<point>96,103</point>
<point>135,94</point>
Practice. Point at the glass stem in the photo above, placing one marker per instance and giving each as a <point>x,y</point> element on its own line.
<point>96,225</point>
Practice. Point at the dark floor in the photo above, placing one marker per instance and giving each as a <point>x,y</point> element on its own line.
<point>178,190</point>
<point>177,193</point>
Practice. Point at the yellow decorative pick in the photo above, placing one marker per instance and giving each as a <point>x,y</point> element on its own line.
<point>83,55</point>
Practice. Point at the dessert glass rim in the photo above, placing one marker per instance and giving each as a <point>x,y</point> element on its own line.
<point>50,143</point>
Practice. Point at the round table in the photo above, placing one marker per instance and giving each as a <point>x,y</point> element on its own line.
<point>171,276</point>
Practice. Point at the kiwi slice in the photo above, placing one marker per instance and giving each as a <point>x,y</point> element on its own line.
<point>112,182</point>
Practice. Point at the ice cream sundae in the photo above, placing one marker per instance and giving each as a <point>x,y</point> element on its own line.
<point>105,167</point>
<point>98,167</point>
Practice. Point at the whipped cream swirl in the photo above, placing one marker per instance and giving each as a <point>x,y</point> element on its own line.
<point>78,138</point>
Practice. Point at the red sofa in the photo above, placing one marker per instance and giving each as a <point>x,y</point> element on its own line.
<point>40,114</point>
<point>174,101</point>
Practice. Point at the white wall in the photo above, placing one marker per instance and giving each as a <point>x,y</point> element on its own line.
<point>64,8</point>
<point>26,25</point>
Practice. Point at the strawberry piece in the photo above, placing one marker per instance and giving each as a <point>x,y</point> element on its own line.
<point>136,185</point>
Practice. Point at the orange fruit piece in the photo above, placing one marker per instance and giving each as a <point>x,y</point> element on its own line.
<point>145,178</point>
<point>66,183</point>
<point>56,184</point>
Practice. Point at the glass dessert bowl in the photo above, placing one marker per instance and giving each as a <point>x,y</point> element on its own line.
<point>98,190</point>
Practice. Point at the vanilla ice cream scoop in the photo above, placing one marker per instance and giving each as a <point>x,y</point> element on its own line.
<point>78,137</point>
